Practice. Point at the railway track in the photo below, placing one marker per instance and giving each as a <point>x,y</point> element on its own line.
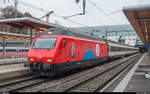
<point>96,83</point>
<point>2,64</point>
<point>19,84</point>
<point>13,79</point>
<point>91,80</point>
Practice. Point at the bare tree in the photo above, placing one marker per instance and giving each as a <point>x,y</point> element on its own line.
<point>9,12</point>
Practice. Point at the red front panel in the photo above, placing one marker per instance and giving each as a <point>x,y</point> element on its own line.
<point>42,55</point>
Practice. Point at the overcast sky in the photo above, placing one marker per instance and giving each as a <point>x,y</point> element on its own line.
<point>93,17</point>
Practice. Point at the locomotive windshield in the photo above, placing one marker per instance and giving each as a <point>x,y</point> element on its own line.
<point>45,43</point>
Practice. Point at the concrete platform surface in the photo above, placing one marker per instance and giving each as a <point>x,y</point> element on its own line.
<point>13,70</point>
<point>138,82</point>
<point>12,60</point>
<point>135,80</point>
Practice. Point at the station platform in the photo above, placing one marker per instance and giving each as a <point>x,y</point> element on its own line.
<point>13,70</point>
<point>8,61</point>
<point>135,80</point>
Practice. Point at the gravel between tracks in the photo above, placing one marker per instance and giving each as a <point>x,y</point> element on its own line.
<point>97,82</point>
<point>20,84</point>
<point>14,79</point>
<point>62,84</point>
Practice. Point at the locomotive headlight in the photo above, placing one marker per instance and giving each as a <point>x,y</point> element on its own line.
<point>49,60</point>
<point>31,59</point>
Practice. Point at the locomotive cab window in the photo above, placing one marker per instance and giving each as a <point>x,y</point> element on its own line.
<point>45,43</point>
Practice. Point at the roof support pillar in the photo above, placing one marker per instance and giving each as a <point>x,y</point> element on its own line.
<point>146,32</point>
<point>106,34</point>
<point>31,31</point>
<point>149,44</point>
<point>36,31</point>
<point>149,50</point>
<point>4,50</point>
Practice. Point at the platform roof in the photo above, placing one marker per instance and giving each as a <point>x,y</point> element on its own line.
<point>14,36</point>
<point>139,17</point>
<point>26,22</point>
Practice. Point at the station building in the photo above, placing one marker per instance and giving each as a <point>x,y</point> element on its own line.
<point>120,33</point>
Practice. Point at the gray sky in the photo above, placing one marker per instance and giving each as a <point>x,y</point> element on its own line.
<point>93,17</point>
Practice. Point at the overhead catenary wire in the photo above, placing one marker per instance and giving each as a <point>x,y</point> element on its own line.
<point>102,12</point>
<point>99,22</point>
<point>43,10</point>
<point>114,12</point>
<point>95,18</point>
<point>105,14</point>
<point>119,11</point>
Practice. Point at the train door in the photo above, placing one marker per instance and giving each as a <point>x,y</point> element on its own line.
<point>67,50</point>
<point>62,51</point>
<point>73,50</point>
<point>64,41</point>
<point>107,48</point>
<point>70,50</point>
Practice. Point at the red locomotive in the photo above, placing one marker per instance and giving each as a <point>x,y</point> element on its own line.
<point>58,50</point>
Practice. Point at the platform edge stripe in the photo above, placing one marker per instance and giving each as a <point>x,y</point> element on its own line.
<point>122,85</point>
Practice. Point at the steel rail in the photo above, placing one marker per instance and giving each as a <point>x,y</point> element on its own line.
<point>5,86</point>
<point>64,82</point>
<point>94,77</point>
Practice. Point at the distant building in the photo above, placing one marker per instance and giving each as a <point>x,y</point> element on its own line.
<point>122,33</point>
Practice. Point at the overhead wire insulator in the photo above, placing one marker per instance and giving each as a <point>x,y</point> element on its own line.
<point>77,1</point>
<point>84,4</point>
